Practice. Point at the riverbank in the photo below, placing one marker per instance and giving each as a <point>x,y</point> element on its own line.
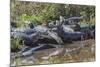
<point>60,55</point>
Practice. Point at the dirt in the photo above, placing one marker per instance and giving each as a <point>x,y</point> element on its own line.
<point>77,51</point>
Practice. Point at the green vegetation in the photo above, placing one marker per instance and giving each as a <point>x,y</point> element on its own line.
<point>14,44</point>
<point>41,12</point>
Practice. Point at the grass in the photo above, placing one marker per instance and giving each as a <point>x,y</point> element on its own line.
<point>14,44</point>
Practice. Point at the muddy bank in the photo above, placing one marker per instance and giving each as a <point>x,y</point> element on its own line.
<point>70,53</point>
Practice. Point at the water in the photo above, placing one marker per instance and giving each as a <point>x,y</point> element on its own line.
<point>59,55</point>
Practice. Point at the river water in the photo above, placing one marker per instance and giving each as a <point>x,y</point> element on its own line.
<point>71,52</point>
